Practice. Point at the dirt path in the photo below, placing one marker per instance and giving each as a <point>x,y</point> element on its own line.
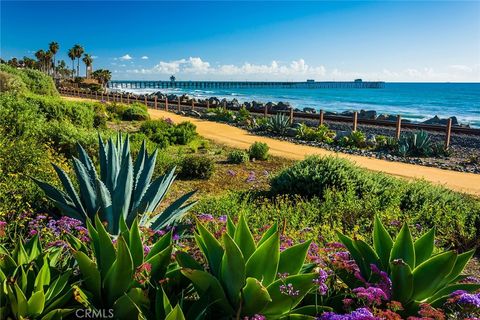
<point>238,138</point>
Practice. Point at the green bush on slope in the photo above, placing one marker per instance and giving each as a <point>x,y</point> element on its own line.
<point>37,82</point>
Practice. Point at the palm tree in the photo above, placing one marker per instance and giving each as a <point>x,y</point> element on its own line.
<point>40,55</point>
<point>71,55</point>
<point>88,60</point>
<point>102,75</point>
<point>53,47</point>
<point>48,61</point>
<point>78,49</point>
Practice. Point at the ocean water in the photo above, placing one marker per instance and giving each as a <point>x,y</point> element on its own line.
<point>414,101</point>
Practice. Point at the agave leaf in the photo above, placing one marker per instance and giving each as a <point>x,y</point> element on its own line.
<point>136,245</point>
<point>43,277</point>
<point>36,303</point>
<point>208,285</point>
<point>33,247</point>
<point>369,255</point>
<point>130,304</point>
<point>403,247</point>
<point>270,232</point>
<point>428,276</point>
<point>292,258</point>
<point>106,254</point>
<point>211,248</point>
<point>447,290</point>
<point>162,304</point>
<point>382,242</point>
<point>105,207</point>
<point>142,182</point>
<point>281,302</point>
<point>68,186</point>
<point>112,157</point>
<point>402,281</point>
<point>21,303</point>
<point>176,314</point>
<point>57,314</point>
<point>424,246</point>
<point>230,227</point>
<point>232,271</point>
<point>139,163</point>
<point>120,276</point>
<point>161,244</point>
<point>460,263</point>
<point>87,189</point>
<point>60,199</point>
<point>173,213</point>
<point>122,193</point>
<point>91,274</point>
<point>243,238</point>
<point>356,254</point>
<point>159,263</point>
<point>263,263</point>
<point>87,162</point>
<point>58,285</point>
<point>185,260</point>
<point>102,155</point>
<point>255,297</point>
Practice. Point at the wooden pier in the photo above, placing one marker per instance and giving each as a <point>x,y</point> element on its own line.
<point>357,84</point>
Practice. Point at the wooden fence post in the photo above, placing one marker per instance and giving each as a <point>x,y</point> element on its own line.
<point>265,111</point>
<point>399,127</point>
<point>355,118</point>
<point>136,98</point>
<point>193,105</point>
<point>178,103</point>
<point>208,104</point>
<point>102,95</point>
<point>320,123</point>
<point>108,96</point>
<point>146,103</point>
<point>96,95</point>
<point>291,116</point>
<point>121,97</point>
<point>448,133</point>
<point>156,103</point>
<point>166,104</point>
<point>128,98</point>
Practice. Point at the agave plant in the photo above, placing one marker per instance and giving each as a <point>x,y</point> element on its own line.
<point>31,284</point>
<point>109,280</point>
<point>417,273</point>
<point>279,123</point>
<point>245,277</point>
<point>415,144</point>
<point>122,189</point>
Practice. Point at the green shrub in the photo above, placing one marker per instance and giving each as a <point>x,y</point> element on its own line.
<point>37,82</point>
<point>116,110</point>
<point>238,156</point>
<point>278,124</point>
<point>166,133</point>
<point>352,196</point>
<point>258,151</point>
<point>321,133</point>
<point>221,114</point>
<point>136,112</point>
<point>417,144</point>
<point>184,133</point>
<point>196,167</point>
<point>11,83</point>
<point>243,114</point>
<point>356,139</point>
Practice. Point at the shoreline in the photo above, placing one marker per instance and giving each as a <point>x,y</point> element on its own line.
<point>236,102</point>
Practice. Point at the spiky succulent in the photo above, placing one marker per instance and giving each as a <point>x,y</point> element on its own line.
<point>415,144</point>
<point>122,189</point>
<point>279,123</point>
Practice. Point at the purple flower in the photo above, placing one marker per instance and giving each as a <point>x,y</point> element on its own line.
<point>466,299</point>
<point>146,249</point>
<point>251,177</point>
<point>359,314</point>
<point>255,317</point>
<point>222,219</point>
<point>289,290</point>
<point>231,172</point>
<point>176,237</point>
<point>371,295</point>
<point>282,275</point>
<point>320,282</point>
<point>32,232</point>
<point>205,217</point>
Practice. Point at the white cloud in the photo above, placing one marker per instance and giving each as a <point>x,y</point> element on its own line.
<point>125,57</point>
<point>144,58</point>
<point>94,57</point>
<point>195,68</point>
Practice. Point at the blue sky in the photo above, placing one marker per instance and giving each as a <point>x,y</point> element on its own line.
<point>374,40</point>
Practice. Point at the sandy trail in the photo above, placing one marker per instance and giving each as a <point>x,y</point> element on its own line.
<point>241,139</point>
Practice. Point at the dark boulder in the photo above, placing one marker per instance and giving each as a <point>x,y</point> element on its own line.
<point>309,110</point>
<point>437,120</point>
<point>367,114</point>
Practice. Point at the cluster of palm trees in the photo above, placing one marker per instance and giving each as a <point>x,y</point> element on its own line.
<point>46,59</point>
